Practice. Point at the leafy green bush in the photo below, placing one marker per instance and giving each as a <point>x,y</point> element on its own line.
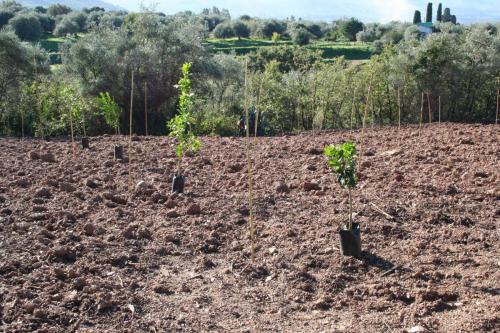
<point>342,160</point>
<point>180,125</point>
<point>241,29</point>
<point>218,125</point>
<point>301,37</point>
<point>224,30</point>
<point>26,26</point>
<point>110,110</point>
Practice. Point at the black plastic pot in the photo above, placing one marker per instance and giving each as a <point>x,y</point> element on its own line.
<point>178,184</point>
<point>85,143</point>
<point>350,241</point>
<point>118,152</point>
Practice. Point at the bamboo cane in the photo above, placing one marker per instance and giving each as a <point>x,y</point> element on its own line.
<point>353,107</point>
<point>421,114</point>
<point>439,109</point>
<point>399,118</point>
<point>146,106</point>
<point>22,125</point>
<point>429,106</point>
<point>498,98</point>
<point>258,109</point>
<point>249,169</point>
<point>130,185</point>
<point>72,133</point>
<point>364,121</point>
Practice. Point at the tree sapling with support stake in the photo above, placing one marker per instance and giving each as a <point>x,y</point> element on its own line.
<point>111,112</point>
<point>180,127</point>
<point>342,160</point>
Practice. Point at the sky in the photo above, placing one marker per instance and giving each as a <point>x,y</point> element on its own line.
<point>366,10</point>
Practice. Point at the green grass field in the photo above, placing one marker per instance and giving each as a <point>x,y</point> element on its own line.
<point>330,50</point>
<point>51,44</point>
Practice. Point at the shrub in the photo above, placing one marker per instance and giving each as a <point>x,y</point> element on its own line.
<point>301,37</point>
<point>27,27</point>
<point>5,16</point>
<point>349,28</point>
<point>181,125</point>
<point>268,27</point>
<point>342,160</point>
<point>110,110</point>
<point>58,9</point>
<point>241,29</point>
<point>224,30</point>
<point>66,27</point>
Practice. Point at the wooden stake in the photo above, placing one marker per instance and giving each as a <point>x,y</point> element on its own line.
<point>22,125</point>
<point>498,97</point>
<point>258,109</point>
<point>72,135</point>
<point>146,106</point>
<point>429,106</point>
<point>249,169</point>
<point>353,107</point>
<point>130,185</point>
<point>399,118</point>
<point>421,115</point>
<point>364,122</point>
<point>439,109</point>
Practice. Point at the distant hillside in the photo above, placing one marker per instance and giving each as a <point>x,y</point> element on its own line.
<point>75,4</point>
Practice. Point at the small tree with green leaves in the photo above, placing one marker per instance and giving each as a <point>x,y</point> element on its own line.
<point>342,159</point>
<point>180,125</point>
<point>110,110</point>
<point>276,37</point>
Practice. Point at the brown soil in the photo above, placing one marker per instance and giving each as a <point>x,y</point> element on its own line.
<point>79,253</point>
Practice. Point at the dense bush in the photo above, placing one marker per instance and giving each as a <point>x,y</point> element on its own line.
<point>267,27</point>
<point>301,37</point>
<point>224,30</point>
<point>26,26</point>
<point>47,22</point>
<point>57,10</point>
<point>72,23</point>
<point>349,28</point>
<point>5,16</point>
<point>241,29</point>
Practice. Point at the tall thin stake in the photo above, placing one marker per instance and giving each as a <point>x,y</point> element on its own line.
<point>364,121</point>
<point>146,106</point>
<point>257,115</point>
<point>72,133</point>
<point>429,106</point>
<point>130,134</point>
<point>421,114</point>
<point>249,169</point>
<point>399,118</point>
<point>439,99</point>
<point>22,125</point>
<point>498,98</point>
<point>353,107</point>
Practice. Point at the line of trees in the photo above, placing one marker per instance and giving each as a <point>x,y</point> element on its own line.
<point>293,87</point>
<point>440,17</point>
<point>29,24</point>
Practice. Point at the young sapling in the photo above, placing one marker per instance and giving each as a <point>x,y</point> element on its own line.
<point>180,125</point>
<point>111,112</point>
<point>342,160</point>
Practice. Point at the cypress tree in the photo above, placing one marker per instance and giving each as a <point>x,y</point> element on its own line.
<point>428,17</point>
<point>439,16</point>
<point>417,17</point>
<point>447,15</point>
<point>453,19</point>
